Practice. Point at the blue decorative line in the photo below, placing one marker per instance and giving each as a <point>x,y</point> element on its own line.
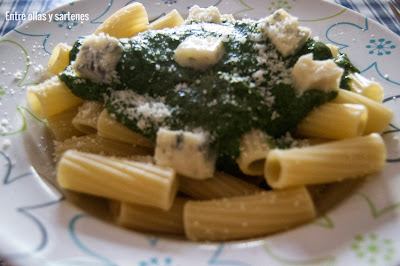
<point>26,210</point>
<point>9,181</point>
<point>8,168</point>
<point>395,130</point>
<point>93,21</point>
<point>216,261</point>
<point>44,238</point>
<point>341,45</point>
<point>47,36</point>
<point>375,65</point>
<point>79,244</point>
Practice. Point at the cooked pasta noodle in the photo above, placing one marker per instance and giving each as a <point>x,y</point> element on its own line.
<point>126,22</point>
<point>324,163</point>
<point>118,179</point>
<point>222,185</point>
<point>108,127</point>
<point>51,97</point>
<point>150,219</point>
<point>253,149</point>
<point>87,117</point>
<point>98,145</point>
<point>334,121</point>
<point>247,216</point>
<point>61,124</point>
<point>378,115</point>
<point>59,58</point>
<point>170,20</point>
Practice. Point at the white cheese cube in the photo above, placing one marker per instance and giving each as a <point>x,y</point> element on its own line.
<point>198,14</point>
<point>186,152</point>
<point>98,57</point>
<point>199,53</point>
<point>310,74</point>
<point>284,32</point>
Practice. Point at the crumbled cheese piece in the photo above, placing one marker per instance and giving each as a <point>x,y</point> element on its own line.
<point>3,126</point>
<point>187,152</point>
<point>39,69</point>
<point>18,75</point>
<point>199,53</point>
<point>6,144</point>
<point>284,32</point>
<point>98,58</point>
<point>149,112</point>
<point>310,74</point>
<point>228,18</point>
<point>277,70</point>
<point>198,14</point>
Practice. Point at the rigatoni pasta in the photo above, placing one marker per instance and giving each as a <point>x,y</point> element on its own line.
<point>51,97</point>
<point>93,143</point>
<point>126,22</point>
<point>87,117</point>
<point>334,121</point>
<point>378,115</point>
<point>59,58</point>
<point>253,148</point>
<point>150,219</point>
<point>222,185</point>
<point>118,179</point>
<point>108,127</point>
<point>61,124</point>
<point>324,163</point>
<point>247,216</point>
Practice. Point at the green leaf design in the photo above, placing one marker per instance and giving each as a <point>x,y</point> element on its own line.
<point>248,8</point>
<point>325,18</point>
<point>2,92</point>
<point>23,127</point>
<point>325,221</point>
<point>374,211</point>
<point>27,63</point>
<point>373,250</point>
<point>275,5</point>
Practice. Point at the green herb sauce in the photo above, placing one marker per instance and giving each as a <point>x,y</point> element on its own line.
<point>226,100</point>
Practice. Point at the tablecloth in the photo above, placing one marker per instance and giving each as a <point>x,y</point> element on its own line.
<point>377,10</point>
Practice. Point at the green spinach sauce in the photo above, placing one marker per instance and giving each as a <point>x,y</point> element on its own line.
<point>226,100</point>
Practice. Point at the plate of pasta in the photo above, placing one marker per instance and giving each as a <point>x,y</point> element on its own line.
<point>230,133</point>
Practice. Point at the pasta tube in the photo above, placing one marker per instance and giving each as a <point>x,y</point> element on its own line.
<point>110,128</point>
<point>98,145</point>
<point>126,22</point>
<point>61,125</point>
<point>170,20</point>
<point>333,161</point>
<point>150,219</point>
<point>366,87</point>
<point>253,151</point>
<point>222,185</point>
<point>334,121</point>
<point>247,216</point>
<point>118,179</point>
<point>378,115</point>
<point>51,97</point>
<point>87,116</point>
<point>59,58</point>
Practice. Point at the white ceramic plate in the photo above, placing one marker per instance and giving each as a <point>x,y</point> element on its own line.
<point>38,226</point>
